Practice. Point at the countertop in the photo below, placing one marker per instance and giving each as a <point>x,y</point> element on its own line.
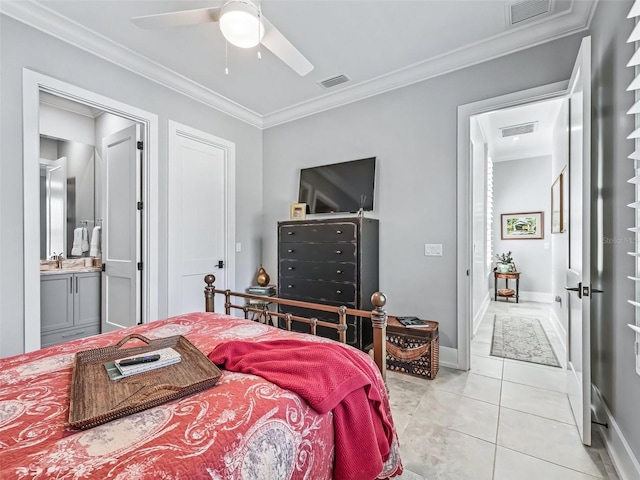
<point>67,270</point>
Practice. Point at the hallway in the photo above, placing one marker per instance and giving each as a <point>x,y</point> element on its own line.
<point>503,419</point>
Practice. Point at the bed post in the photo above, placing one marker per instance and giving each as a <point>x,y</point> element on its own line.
<point>379,323</point>
<point>209,305</point>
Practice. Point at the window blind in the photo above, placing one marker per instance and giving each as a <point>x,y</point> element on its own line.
<point>635,180</point>
<point>489,213</point>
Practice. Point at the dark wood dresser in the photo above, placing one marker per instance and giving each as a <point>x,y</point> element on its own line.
<point>330,261</point>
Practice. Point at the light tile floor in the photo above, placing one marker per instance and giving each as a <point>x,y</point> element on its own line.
<point>502,420</point>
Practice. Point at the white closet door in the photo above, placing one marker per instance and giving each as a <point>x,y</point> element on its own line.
<point>200,217</point>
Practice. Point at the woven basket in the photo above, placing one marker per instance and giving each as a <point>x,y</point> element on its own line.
<point>96,399</point>
<point>506,292</point>
<point>413,355</point>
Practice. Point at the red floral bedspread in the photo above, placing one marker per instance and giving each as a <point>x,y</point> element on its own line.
<point>243,428</point>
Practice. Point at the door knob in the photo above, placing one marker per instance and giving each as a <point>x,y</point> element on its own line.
<point>575,289</point>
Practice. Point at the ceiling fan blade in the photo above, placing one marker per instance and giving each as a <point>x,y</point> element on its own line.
<point>284,50</point>
<point>178,19</point>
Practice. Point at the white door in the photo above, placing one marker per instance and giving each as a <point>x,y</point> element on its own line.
<point>201,216</point>
<point>578,277</point>
<point>53,232</point>
<point>121,242</point>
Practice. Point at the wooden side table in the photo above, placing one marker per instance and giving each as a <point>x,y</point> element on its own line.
<point>506,292</point>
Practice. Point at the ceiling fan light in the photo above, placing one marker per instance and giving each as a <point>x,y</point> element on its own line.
<point>239,24</point>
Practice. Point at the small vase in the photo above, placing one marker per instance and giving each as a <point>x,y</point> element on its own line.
<point>503,267</point>
<point>263,277</point>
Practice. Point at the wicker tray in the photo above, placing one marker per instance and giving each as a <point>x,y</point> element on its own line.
<point>95,399</point>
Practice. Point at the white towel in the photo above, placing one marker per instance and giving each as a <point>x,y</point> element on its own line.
<point>76,250</point>
<point>95,242</point>
<point>85,240</point>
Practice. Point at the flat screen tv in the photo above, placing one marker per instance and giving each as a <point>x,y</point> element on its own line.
<point>338,188</point>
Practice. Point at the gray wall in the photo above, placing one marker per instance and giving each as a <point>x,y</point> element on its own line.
<point>412,131</point>
<point>524,186</point>
<point>613,363</point>
<point>22,46</point>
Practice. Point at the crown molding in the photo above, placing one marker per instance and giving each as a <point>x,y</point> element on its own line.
<point>574,20</point>
<point>62,28</point>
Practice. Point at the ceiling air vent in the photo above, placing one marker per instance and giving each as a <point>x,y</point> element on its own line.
<point>518,129</point>
<point>528,9</point>
<point>333,81</point>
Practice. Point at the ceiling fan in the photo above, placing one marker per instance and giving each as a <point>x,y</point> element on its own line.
<point>241,23</point>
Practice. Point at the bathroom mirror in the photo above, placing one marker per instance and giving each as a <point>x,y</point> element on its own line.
<point>67,194</point>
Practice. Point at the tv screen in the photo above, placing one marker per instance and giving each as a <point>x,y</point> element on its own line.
<point>339,187</point>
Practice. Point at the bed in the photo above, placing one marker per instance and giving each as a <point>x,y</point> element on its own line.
<point>245,427</point>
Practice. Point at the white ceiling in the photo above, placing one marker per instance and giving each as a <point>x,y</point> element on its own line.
<point>378,44</point>
<point>536,144</point>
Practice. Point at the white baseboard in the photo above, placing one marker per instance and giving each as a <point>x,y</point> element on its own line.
<point>625,462</point>
<point>448,357</point>
<point>536,297</point>
<point>561,333</point>
<point>481,311</point>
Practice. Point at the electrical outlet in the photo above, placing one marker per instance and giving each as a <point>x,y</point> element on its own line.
<point>238,247</point>
<point>433,249</point>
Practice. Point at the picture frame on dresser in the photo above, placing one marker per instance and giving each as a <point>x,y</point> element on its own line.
<point>298,211</point>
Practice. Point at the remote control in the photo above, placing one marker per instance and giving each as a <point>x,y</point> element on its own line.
<point>138,360</point>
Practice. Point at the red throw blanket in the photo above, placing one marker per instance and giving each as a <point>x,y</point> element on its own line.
<point>330,377</point>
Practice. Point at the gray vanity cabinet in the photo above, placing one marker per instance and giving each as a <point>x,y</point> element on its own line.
<point>69,306</point>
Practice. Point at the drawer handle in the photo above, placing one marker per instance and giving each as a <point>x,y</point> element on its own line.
<point>73,334</point>
<point>289,286</point>
<point>290,250</point>
<point>290,268</point>
<point>339,272</point>
<point>338,252</point>
<point>289,233</point>
<point>339,232</point>
<point>338,292</point>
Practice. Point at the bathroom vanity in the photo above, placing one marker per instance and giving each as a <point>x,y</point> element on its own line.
<point>69,303</point>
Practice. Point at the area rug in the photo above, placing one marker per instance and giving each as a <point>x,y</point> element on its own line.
<point>522,338</point>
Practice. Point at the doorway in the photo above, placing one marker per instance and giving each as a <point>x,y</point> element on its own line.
<point>526,148</point>
<point>578,148</point>
<point>33,85</point>
<point>469,277</point>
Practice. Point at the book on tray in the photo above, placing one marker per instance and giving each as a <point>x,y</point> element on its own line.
<point>413,322</point>
<point>141,363</point>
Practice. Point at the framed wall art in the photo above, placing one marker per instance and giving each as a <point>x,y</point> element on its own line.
<point>522,226</point>
<point>557,204</point>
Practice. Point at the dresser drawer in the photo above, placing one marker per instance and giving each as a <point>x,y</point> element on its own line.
<point>318,291</point>
<point>330,271</point>
<point>333,232</point>
<point>325,252</point>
